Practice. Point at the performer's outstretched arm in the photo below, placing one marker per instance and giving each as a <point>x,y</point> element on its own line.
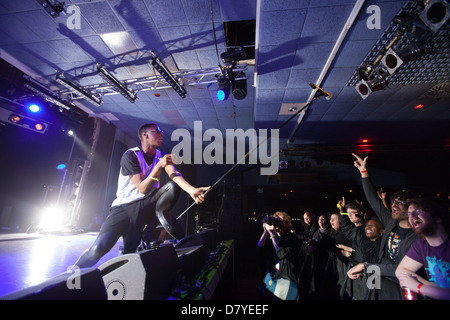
<point>197,194</point>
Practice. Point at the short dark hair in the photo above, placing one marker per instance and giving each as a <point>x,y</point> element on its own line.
<point>144,128</point>
<point>355,206</point>
<point>377,221</point>
<point>404,195</point>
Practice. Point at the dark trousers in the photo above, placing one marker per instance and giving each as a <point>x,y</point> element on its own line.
<point>127,221</point>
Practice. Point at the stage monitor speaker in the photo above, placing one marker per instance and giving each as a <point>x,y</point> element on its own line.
<point>193,250</point>
<point>81,284</point>
<point>146,275</point>
<point>206,238</point>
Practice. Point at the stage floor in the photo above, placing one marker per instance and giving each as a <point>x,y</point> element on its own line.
<point>30,259</point>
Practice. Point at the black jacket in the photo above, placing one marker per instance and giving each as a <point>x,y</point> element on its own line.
<point>365,250</point>
<point>288,253</point>
<point>354,234</point>
<point>387,266</point>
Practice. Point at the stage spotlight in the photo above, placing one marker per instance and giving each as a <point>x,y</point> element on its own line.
<point>61,166</point>
<point>78,89</point>
<point>14,118</point>
<point>393,60</point>
<point>365,72</point>
<point>130,95</point>
<point>239,86</point>
<point>435,14</point>
<point>232,55</point>
<point>34,108</point>
<point>365,88</point>
<point>50,220</point>
<point>39,126</point>
<point>68,128</point>
<point>168,76</point>
<point>224,88</point>
<point>47,94</point>
<point>53,8</point>
<point>22,121</point>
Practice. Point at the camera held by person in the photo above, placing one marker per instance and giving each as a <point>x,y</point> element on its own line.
<point>271,221</point>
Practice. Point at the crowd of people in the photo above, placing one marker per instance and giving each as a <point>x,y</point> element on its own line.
<point>394,250</point>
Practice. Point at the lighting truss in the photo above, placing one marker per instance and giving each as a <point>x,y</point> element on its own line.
<point>75,88</point>
<point>47,94</point>
<point>122,88</point>
<point>188,78</point>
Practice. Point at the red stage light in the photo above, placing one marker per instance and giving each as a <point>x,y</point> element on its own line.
<point>15,118</point>
<point>26,122</point>
<point>39,126</point>
<point>419,106</point>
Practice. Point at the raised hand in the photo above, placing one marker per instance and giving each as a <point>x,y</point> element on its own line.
<point>360,164</point>
<point>382,194</point>
<point>341,205</point>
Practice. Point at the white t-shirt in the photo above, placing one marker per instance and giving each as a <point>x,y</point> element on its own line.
<point>133,162</point>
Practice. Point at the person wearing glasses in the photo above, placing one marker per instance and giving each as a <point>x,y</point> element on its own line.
<point>397,237</point>
<point>431,222</point>
<point>141,197</point>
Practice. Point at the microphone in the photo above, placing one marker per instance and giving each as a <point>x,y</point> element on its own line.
<point>321,91</point>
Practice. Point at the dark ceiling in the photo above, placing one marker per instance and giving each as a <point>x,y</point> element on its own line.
<point>295,43</point>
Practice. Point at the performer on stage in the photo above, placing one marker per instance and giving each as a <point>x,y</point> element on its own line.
<point>140,196</point>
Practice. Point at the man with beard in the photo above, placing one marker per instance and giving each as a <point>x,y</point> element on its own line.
<point>397,237</point>
<point>432,251</point>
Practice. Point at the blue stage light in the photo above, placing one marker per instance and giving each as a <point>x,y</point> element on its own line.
<point>34,108</point>
<point>224,88</point>
<point>220,95</point>
<point>61,166</point>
